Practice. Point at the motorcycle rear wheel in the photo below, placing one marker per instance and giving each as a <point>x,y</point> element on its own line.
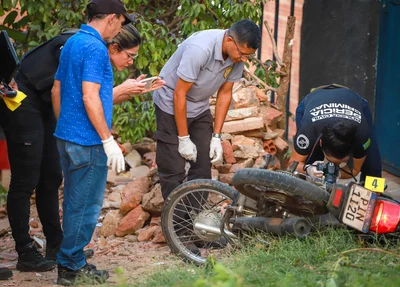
<point>250,182</point>
<point>201,200</point>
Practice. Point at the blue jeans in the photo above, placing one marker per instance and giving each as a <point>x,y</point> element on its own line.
<point>85,175</point>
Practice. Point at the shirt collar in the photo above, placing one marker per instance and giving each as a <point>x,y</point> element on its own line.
<point>218,47</point>
<point>91,31</point>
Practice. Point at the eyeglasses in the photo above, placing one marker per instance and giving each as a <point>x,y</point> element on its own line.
<point>130,56</point>
<point>240,52</point>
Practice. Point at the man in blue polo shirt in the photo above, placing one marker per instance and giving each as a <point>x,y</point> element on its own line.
<point>82,99</point>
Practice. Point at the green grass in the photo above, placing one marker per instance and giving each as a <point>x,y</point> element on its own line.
<point>319,260</point>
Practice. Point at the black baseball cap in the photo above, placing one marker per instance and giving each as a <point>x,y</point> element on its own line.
<point>109,7</point>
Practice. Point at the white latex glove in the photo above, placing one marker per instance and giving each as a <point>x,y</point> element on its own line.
<point>187,149</point>
<point>114,155</point>
<point>215,150</point>
<point>311,170</point>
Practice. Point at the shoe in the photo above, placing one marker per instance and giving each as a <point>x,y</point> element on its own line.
<point>87,275</point>
<point>31,260</point>
<point>51,253</point>
<point>5,273</point>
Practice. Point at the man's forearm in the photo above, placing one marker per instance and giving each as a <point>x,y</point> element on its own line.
<point>180,114</point>
<point>94,110</point>
<point>221,109</point>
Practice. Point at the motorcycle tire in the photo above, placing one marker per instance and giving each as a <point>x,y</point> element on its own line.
<point>279,181</point>
<point>171,228</point>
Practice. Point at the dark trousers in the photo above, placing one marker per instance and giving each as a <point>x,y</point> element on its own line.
<point>171,165</point>
<point>35,165</point>
<point>372,165</point>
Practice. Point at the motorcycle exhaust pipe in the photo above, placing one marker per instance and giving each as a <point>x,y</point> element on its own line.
<point>204,229</point>
<point>297,226</point>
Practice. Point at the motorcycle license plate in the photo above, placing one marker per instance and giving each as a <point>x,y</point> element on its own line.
<point>359,208</point>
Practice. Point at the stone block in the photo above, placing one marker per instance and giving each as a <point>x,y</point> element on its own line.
<point>132,193</point>
<point>281,145</point>
<point>238,114</point>
<point>243,125</point>
<point>260,94</point>
<point>270,115</point>
<point>243,164</point>
<point>133,159</point>
<point>132,222</point>
<point>153,201</point>
<point>244,98</point>
<point>226,178</point>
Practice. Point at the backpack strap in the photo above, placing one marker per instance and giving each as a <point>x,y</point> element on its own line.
<point>68,32</point>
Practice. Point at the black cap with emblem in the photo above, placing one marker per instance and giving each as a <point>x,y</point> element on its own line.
<point>109,7</point>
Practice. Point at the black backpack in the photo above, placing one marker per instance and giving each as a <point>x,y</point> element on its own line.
<point>39,65</point>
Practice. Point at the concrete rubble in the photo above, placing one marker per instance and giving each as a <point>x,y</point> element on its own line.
<point>133,203</point>
<point>250,131</point>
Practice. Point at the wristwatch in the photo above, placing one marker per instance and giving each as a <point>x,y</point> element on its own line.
<point>216,135</point>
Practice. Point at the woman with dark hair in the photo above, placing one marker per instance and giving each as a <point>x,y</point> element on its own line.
<point>335,124</point>
<point>123,49</point>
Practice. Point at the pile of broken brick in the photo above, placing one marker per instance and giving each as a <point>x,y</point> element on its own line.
<point>250,131</point>
<point>133,201</point>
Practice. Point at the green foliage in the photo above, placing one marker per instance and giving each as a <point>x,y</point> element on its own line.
<point>268,74</point>
<point>39,21</point>
<point>121,279</point>
<point>163,24</point>
<point>221,276</point>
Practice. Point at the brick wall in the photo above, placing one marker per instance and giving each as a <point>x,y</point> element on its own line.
<point>266,48</point>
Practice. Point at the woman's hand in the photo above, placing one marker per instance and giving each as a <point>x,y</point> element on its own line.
<point>156,85</point>
<point>132,86</point>
<point>13,84</point>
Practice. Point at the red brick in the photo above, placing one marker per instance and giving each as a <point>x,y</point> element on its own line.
<point>228,152</point>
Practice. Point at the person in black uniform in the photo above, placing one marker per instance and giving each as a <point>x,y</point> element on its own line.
<point>33,155</point>
<point>335,124</point>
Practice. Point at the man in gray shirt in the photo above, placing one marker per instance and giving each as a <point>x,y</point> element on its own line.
<point>207,62</point>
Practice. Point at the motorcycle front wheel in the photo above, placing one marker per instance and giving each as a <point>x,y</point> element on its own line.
<point>192,216</point>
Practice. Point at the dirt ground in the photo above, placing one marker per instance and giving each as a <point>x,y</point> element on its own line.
<point>136,259</point>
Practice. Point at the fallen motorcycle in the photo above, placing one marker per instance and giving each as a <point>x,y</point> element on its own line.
<point>203,217</point>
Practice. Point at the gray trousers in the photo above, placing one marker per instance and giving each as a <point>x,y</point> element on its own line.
<point>171,165</point>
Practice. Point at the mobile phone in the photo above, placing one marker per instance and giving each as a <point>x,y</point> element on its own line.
<point>149,81</point>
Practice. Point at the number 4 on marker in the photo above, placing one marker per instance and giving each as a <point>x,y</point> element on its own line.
<point>376,184</point>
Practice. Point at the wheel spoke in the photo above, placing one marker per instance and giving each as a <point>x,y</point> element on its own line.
<point>204,206</point>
